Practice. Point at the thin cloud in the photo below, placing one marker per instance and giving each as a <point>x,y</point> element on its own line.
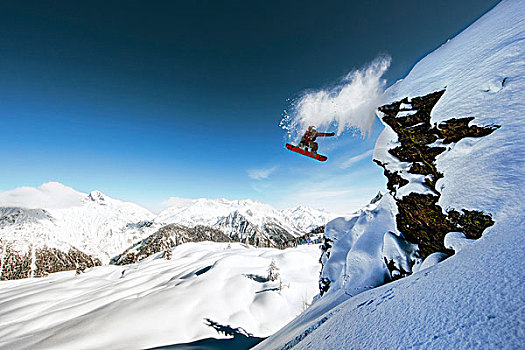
<point>356,159</point>
<point>261,174</point>
<point>51,195</point>
<point>261,187</point>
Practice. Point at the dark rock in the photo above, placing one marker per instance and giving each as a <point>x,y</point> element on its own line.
<point>324,285</point>
<point>395,181</point>
<point>396,272</point>
<point>420,219</point>
<point>454,129</point>
<point>326,246</point>
<point>422,222</point>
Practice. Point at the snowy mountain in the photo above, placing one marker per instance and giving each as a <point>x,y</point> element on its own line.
<point>87,229</point>
<point>55,228</point>
<point>244,220</point>
<point>93,222</point>
<point>221,220</point>
<point>452,151</point>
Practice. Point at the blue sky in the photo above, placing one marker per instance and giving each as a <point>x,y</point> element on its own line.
<point>146,101</point>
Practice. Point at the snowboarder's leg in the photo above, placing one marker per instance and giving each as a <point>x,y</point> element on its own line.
<point>314,146</point>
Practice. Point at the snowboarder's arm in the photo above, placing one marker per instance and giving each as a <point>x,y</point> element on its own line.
<point>320,134</point>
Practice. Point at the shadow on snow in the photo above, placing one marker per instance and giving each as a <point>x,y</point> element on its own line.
<point>241,340</point>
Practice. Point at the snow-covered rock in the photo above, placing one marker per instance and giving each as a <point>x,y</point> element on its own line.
<point>430,261</point>
<point>457,241</point>
<point>353,258</point>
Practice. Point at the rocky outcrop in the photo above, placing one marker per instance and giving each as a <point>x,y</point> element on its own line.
<point>391,236</point>
<point>420,219</point>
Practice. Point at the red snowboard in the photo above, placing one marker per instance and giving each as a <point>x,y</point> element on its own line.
<point>319,157</point>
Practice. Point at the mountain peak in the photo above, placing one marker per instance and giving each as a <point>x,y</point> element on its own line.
<point>96,196</point>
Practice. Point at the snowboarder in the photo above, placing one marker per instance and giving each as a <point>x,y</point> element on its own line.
<point>308,141</point>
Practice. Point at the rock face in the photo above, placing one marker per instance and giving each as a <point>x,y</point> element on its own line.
<point>420,219</point>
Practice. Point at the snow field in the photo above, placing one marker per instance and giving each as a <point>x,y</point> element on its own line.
<point>160,302</point>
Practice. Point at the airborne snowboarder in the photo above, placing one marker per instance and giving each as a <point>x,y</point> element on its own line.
<point>308,142</point>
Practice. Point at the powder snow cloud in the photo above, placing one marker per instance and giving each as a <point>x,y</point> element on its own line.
<point>350,105</point>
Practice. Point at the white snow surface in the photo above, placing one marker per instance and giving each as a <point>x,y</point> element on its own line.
<point>356,262</point>
<point>160,302</point>
<point>476,298</point>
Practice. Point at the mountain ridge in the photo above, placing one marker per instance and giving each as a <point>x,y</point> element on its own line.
<point>98,228</point>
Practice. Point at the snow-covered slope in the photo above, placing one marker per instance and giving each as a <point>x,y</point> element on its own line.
<point>244,217</point>
<point>476,298</point>
<point>57,216</point>
<point>160,302</point>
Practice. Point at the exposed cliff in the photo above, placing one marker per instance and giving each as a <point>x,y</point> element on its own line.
<point>394,234</point>
<point>420,219</point>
